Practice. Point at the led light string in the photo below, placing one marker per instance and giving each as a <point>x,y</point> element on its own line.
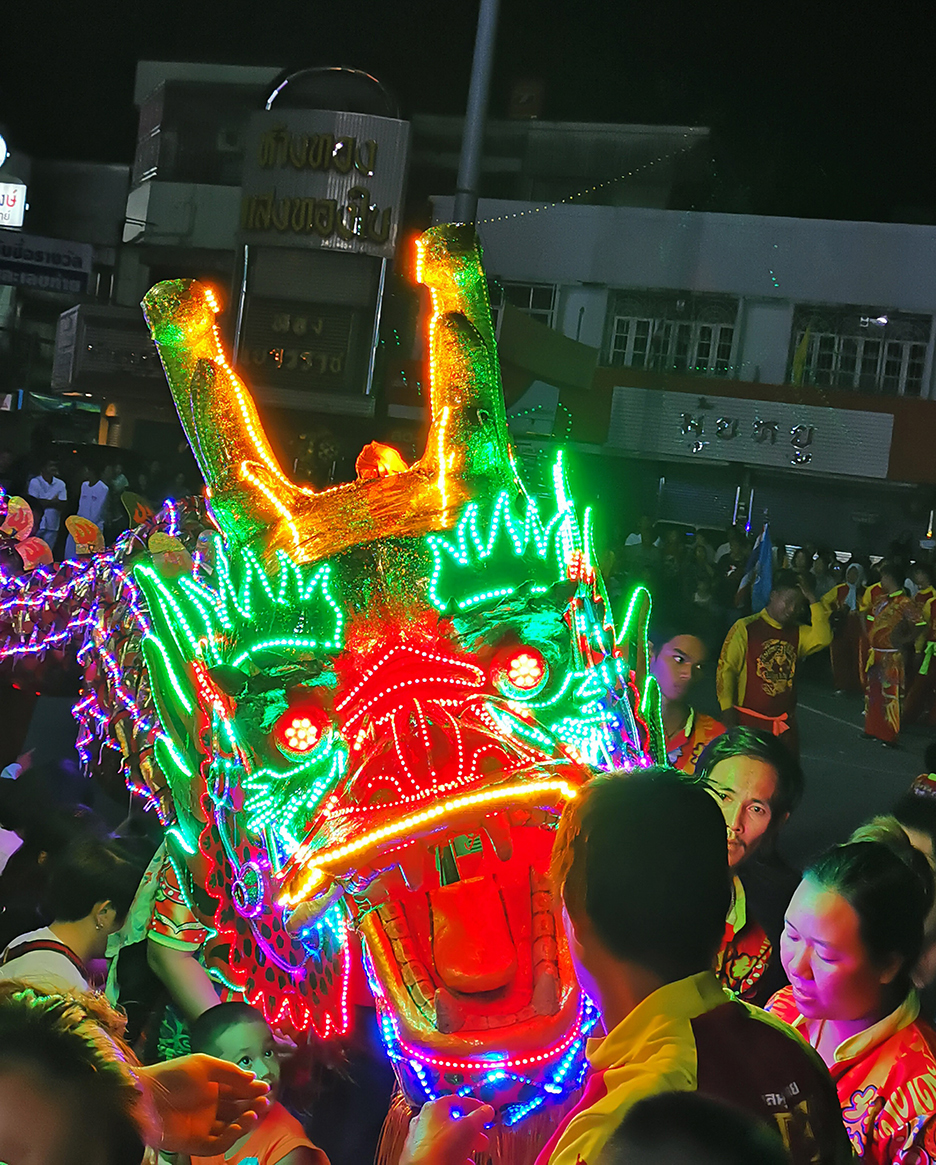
<point>570,198</point>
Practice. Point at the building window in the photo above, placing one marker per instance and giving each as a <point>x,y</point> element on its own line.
<point>859,348</point>
<point>672,332</point>
<point>536,299</point>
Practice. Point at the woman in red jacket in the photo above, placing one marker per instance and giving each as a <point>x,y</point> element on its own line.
<point>853,933</point>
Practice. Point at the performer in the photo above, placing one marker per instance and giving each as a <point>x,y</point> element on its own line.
<point>893,623</point>
<point>842,604</point>
<point>757,667</point>
<point>921,689</point>
<point>853,933</point>
<point>678,653</point>
<point>757,784</point>
<point>871,595</point>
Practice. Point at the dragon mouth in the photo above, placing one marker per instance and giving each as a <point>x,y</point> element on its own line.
<point>464,969</point>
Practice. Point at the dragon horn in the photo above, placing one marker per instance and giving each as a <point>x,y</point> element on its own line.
<point>467,453</point>
<point>468,438</point>
<point>248,490</point>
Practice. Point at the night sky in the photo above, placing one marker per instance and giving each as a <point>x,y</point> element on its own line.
<point>822,109</point>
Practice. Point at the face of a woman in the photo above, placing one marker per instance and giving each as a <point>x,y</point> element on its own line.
<point>744,787</point>
<point>826,961</point>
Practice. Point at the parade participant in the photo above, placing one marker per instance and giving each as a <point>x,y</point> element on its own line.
<point>853,934</point>
<point>842,603</point>
<point>756,680</point>
<point>677,655</point>
<point>671,1025</point>
<point>893,623</point>
<point>89,895</point>
<point>758,783</point>
<point>92,503</point>
<point>921,691</point>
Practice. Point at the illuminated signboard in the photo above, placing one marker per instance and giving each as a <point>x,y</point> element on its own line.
<point>12,204</point>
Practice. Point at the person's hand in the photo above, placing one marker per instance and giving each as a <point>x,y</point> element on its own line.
<point>204,1104</point>
<point>808,594</point>
<point>447,1131</point>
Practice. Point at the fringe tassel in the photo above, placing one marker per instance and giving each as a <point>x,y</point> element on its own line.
<point>518,1145</point>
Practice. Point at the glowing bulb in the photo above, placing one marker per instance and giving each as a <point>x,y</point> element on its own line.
<point>525,670</point>
<point>299,731</point>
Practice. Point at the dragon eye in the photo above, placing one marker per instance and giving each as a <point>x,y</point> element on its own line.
<point>299,730</point>
<point>521,671</point>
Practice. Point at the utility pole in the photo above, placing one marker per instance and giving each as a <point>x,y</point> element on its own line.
<point>469,165</point>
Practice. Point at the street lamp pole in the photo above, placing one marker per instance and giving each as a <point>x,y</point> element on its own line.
<point>469,165</point>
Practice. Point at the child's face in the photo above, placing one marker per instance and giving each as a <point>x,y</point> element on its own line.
<point>250,1046</point>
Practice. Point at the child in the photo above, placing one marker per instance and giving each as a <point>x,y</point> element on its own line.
<point>238,1033</point>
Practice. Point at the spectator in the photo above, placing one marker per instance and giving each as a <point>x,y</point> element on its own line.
<point>823,578</point>
<point>92,504</point>
<point>842,603</point>
<point>48,497</point>
<point>677,655</point>
<point>32,807</point>
<point>758,783</point>
<point>71,1090</point>
<point>239,1034</point>
<point>756,680</point>
<point>853,934</point>
<point>894,621</point>
<point>90,892</point>
<point>642,556</point>
<point>685,1128</point>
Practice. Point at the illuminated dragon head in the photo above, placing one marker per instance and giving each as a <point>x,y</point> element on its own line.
<point>376,699</point>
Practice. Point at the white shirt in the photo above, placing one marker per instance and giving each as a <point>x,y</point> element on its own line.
<point>93,502</point>
<point>49,970</point>
<point>53,490</point>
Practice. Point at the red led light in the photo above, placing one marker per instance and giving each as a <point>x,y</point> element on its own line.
<point>521,671</point>
<point>299,730</point>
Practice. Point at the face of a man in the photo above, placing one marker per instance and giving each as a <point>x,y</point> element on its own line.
<point>827,963</point>
<point>678,664</point>
<point>784,604</point>
<point>744,787</point>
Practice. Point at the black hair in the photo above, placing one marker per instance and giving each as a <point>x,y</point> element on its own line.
<point>71,1045</point>
<point>88,872</point>
<point>889,885</point>
<point>686,1127</point>
<point>216,1020</point>
<point>785,580</point>
<point>893,568</point>
<point>917,807</point>
<point>662,906</point>
<point>666,623</point>
<point>771,750</point>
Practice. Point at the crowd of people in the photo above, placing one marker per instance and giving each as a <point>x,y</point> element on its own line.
<point>751,1011</point>
<point>762,612</point>
<point>107,493</point>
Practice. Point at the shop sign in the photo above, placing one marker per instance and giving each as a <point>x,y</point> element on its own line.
<point>850,442</point>
<point>45,264</point>
<point>12,204</point>
<point>319,178</point>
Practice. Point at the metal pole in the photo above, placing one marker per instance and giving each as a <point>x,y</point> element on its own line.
<point>469,165</point>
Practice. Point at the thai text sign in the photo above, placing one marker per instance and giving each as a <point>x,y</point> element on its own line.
<point>47,264</point>
<point>851,442</point>
<point>318,178</point>
<point>12,204</point>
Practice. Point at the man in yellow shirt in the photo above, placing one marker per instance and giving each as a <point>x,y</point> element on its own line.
<point>641,860</point>
<point>756,675</point>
